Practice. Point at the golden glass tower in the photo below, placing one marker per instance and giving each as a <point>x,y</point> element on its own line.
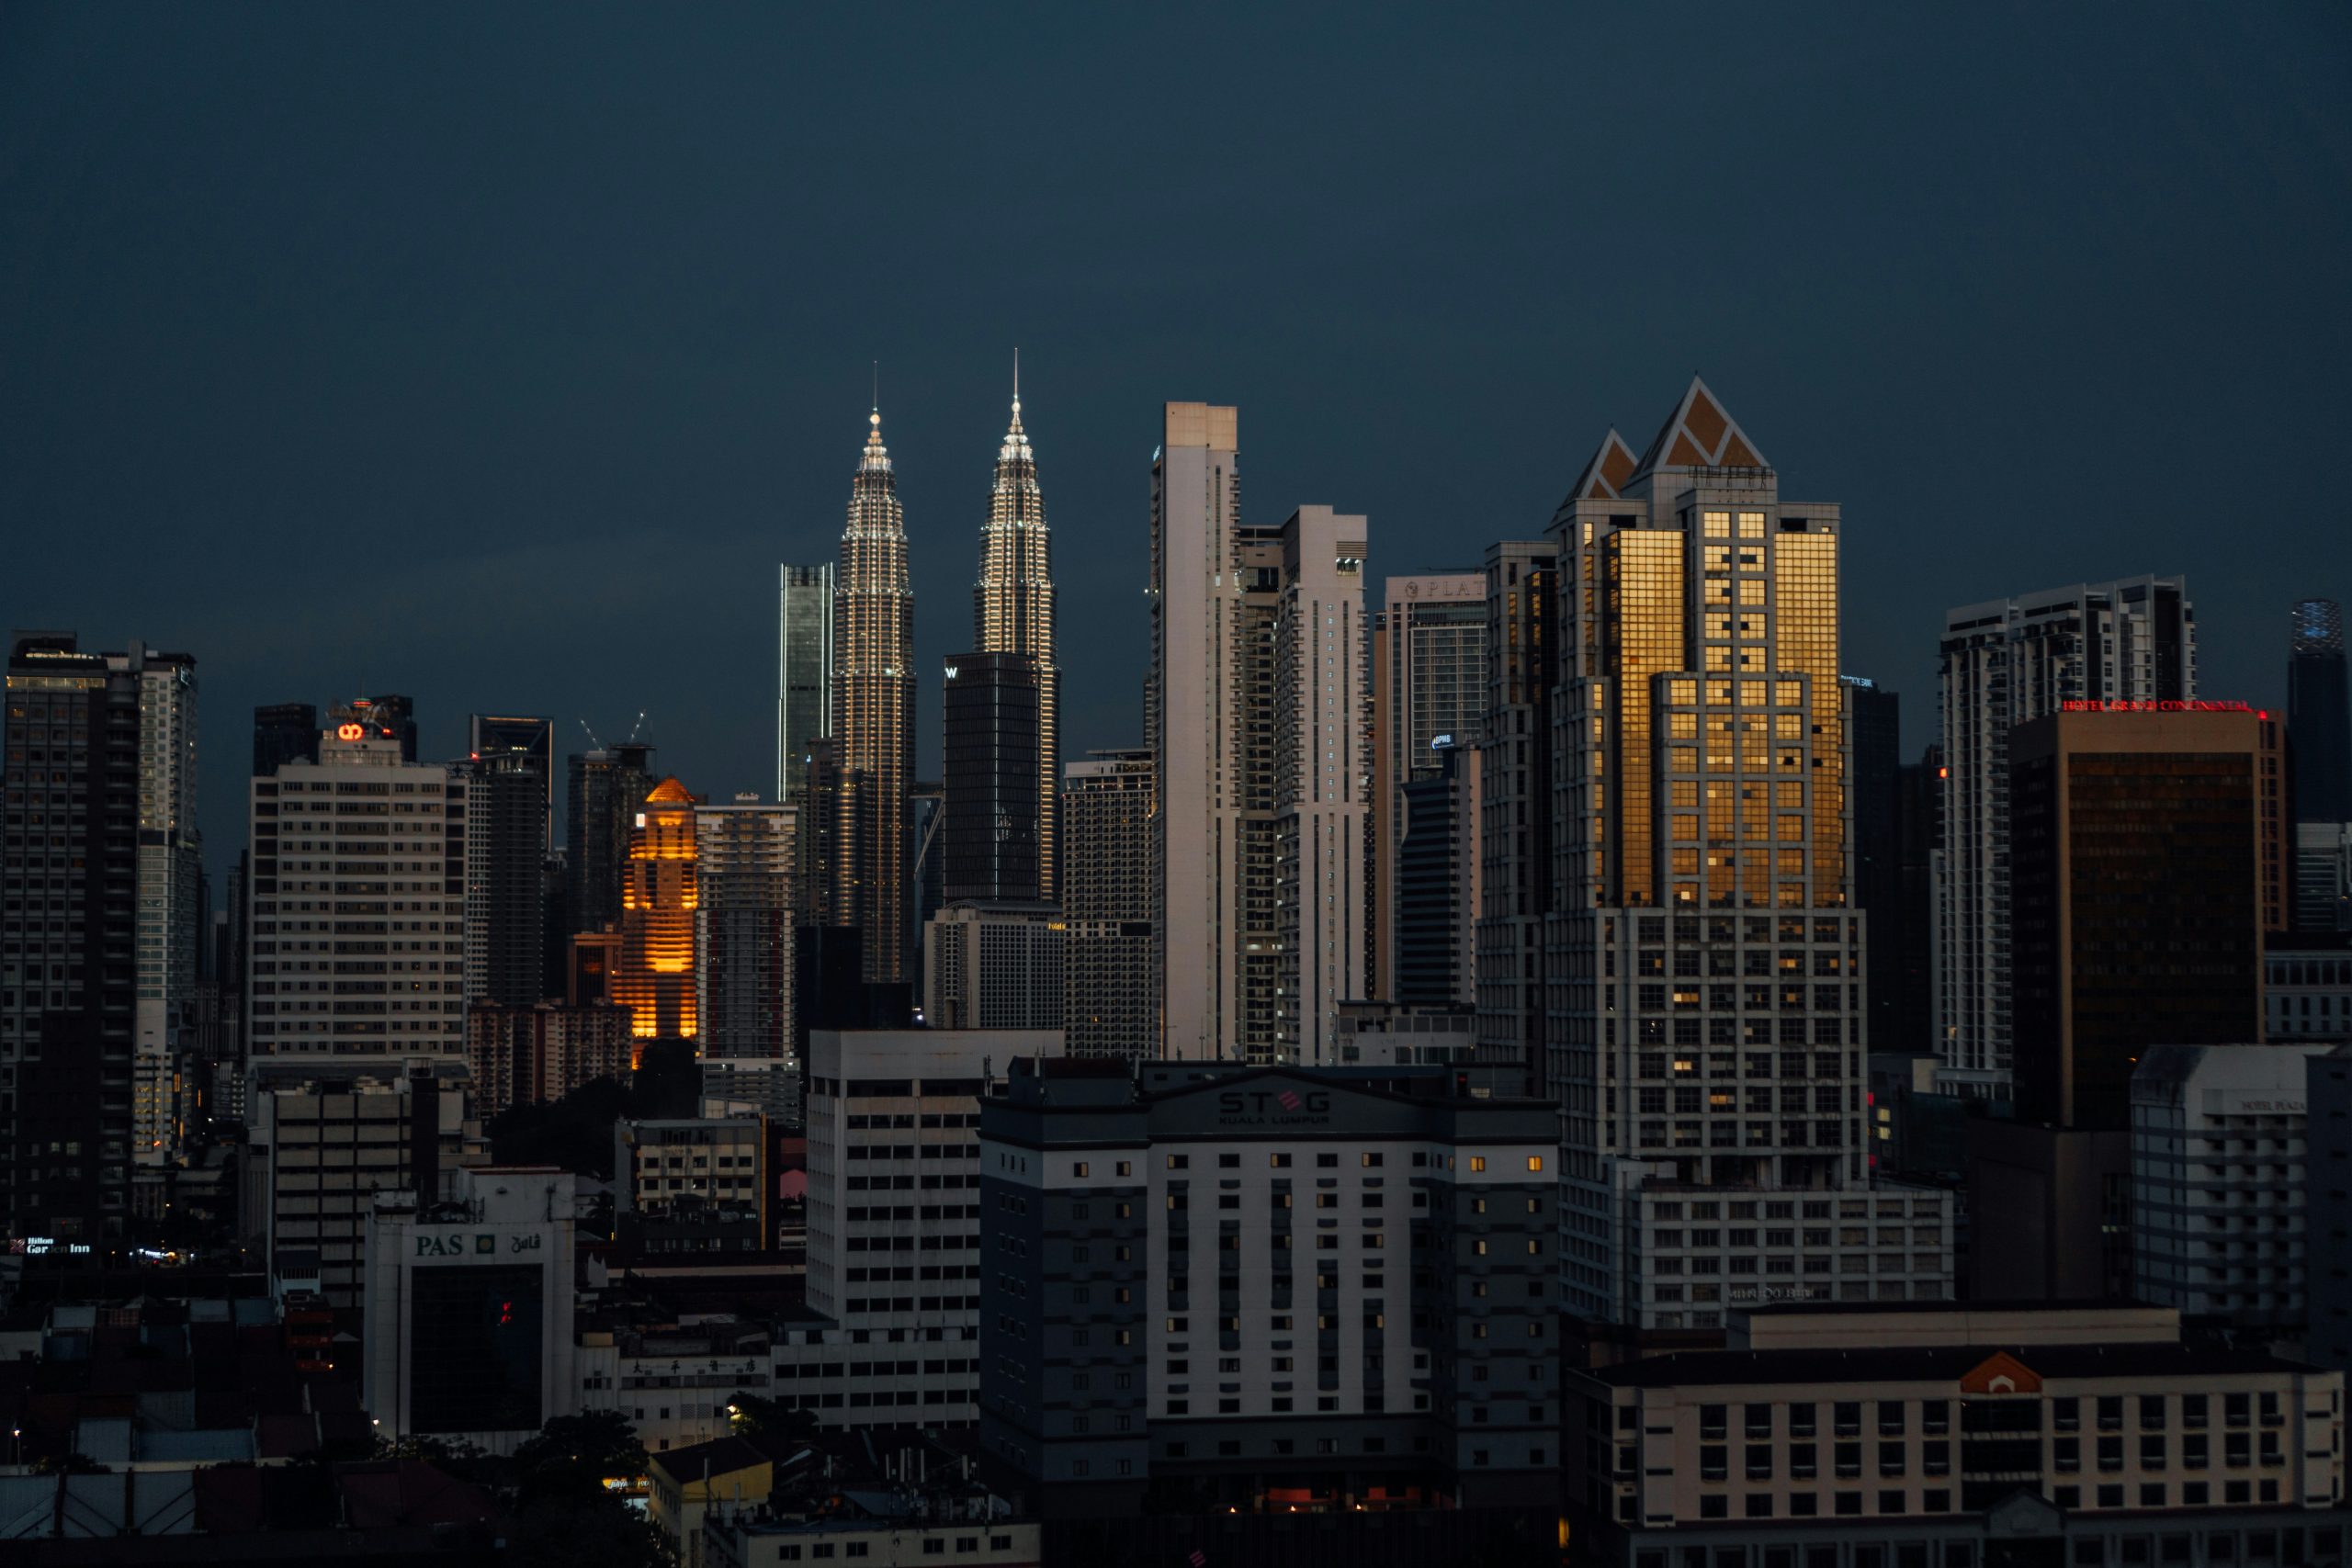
<point>874,709</point>
<point>1012,612</point>
<point>660,892</point>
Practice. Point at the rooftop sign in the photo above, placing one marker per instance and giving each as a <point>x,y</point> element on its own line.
<point>2137,705</point>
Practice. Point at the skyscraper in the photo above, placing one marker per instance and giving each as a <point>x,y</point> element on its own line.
<point>1437,893</point>
<point>803,671</point>
<point>661,893</point>
<point>284,732</point>
<point>2319,740</point>
<point>366,837</point>
<point>1260,654</point>
<point>1707,1038</point>
<point>2006,662</point>
<point>1013,613</point>
<point>87,1036</point>
<point>746,857</point>
<point>1428,681</point>
<point>989,778</point>
<point>506,847</point>
<point>1874,741</point>
<point>1111,991</point>
<point>605,787</point>
<point>1517,889</point>
<point>873,705</point>
<point>497,735</point>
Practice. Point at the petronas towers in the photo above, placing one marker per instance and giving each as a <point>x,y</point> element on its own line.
<point>859,777</point>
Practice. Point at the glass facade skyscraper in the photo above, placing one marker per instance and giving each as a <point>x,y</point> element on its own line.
<point>804,672</point>
<point>1013,613</point>
<point>874,710</point>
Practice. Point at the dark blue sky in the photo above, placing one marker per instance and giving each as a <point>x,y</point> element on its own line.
<point>497,354</point>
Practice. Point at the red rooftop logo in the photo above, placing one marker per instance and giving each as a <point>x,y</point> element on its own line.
<point>2141,704</point>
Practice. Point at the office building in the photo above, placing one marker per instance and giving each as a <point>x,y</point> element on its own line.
<point>1279,1339</point>
<point>990,839</point>
<point>2307,986</point>
<point>655,976</point>
<point>469,1307</point>
<point>1516,881</point>
<point>874,710</point>
<point>1428,683</point>
<point>1909,987</point>
<point>1399,1034</point>
<point>2137,895</point>
<point>2063,1197</point>
<point>665,1165</point>
<point>1262,714</point>
<point>1707,1036</point>
<point>994,966</point>
<point>99,915</point>
<point>528,1055</point>
<point>324,1135</point>
<point>2218,1174</point>
<point>1874,724</point>
<point>605,787</point>
<point>2005,663</point>
<point>803,671</point>
<point>1012,616</point>
<point>890,1336</point>
<point>506,869</point>
<point>747,856</point>
<point>1990,1438</point>
<point>358,901</point>
<point>2319,744</point>
<point>284,732</point>
<point>392,715</point>
<point>520,734</point>
<point>1436,896</point>
<point>2327,1207</point>
<point>1110,989</point>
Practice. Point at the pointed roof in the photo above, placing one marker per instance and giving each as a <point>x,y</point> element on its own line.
<point>1700,435</point>
<point>876,456</point>
<point>668,792</point>
<point>1016,440</point>
<point>1607,472</point>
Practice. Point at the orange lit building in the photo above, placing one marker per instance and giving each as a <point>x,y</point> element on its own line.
<point>654,976</point>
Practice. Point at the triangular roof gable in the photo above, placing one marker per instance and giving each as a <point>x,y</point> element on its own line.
<point>1700,433</point>
<point>2000,1373</point>
<point>1606,474</point>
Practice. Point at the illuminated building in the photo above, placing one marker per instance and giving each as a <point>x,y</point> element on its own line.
<point>1428,681</point>
<point>1516,889</point>
<point>357,942</point>
<point>605,786</point>
<point>1707,1037</point>
<point>803,671</point>
<point>2319,738</point>
<point>2005,663</point>
<point>100,924</point>
<point>874,711</point>
<point>2146,852</point>
<point>747,859</point>
<point>1111,991</point>
<point>1258,702</point>
<point>1013,613</point>
<point>661,893</point>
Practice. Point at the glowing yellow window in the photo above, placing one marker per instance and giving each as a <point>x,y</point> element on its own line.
<point>1534,1162</point>
<point>1751,524</point>
<point>1478,1162</point>
<point>1716,525</point>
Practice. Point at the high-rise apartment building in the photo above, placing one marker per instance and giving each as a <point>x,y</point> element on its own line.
<point>1516,892</point>
<point>874,707</point>
<point>2005,663</point>
<point>1428,683</point>
<point>1706,1033</point>
<point>284,732</point>
<point>358,901</point>
<point>1012,613</point>
<point>803,671</point>
<point>506,868</point>
<point>1259,684</point>
<point>1111,991</point>
<point>2319,741</point>
<point>991,836</point>
<point>607,786</point>
<point>520,734</point>
<point>2137,895</point>
<point>1438,895</point>
<point>654,976</point>
<point>526,1056</point>
<point>98,873</point>
<point>747,857</point>
<point>993,967</point>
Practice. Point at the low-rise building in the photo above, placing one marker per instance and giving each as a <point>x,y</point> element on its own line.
<point>672,1374</point>
<point>659,1163</point>
<point>2218,1183</point>
<point>895,1526</point>
<point>1961,1437</point>
<point>684,1485</point>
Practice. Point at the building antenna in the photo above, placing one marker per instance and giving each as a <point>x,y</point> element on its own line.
<point>593,741</point>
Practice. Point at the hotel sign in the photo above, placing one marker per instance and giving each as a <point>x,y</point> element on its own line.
<point>1777,1293</point>
<point>2138,705</point>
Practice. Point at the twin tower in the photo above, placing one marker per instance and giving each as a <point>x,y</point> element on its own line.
<point>845,720</point>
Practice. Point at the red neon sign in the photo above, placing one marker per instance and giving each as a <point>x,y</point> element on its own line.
<point>2139,705</point>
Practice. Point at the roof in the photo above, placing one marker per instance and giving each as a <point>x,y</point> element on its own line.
<point>377,1496</point>
<point>1606,473</point>
<point>1933,1364</point>
<point>1699,435</point>
<point>724,1456</point>
<point>668,792</point>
